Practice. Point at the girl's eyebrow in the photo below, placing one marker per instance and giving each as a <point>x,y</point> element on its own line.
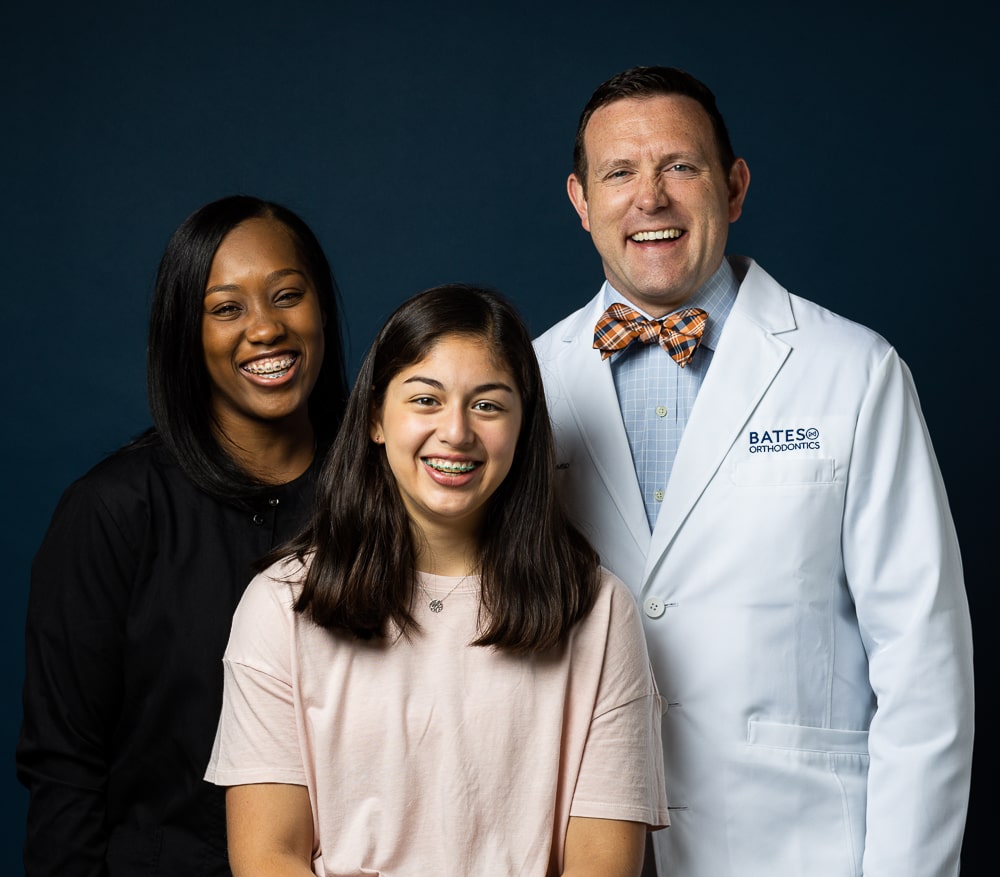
<point>482,388</point>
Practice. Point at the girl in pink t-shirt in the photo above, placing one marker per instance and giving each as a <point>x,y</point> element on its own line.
<point>438,678</point>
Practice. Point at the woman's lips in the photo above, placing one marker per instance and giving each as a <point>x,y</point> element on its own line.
<point>271,368</point>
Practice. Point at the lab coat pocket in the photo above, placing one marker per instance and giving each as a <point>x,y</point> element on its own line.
<point>812,778</point>
<point>785,736</point>
<point>776,470</point>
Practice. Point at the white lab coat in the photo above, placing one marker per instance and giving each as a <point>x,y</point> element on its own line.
<point>804,606</point>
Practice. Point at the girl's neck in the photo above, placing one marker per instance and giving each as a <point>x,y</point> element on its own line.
<point>446,553</point>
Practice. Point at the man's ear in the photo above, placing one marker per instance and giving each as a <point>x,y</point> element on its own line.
<point>578,196</point>
<point>739,182</point>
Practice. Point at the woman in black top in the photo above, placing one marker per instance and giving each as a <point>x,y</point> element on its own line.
<point>147,555</point>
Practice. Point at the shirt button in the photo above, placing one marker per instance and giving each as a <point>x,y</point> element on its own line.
<point>653,607</point>
<point>273,501</point>
<point>258,520</point>
<point>658,495</point>
<point>661,411</point>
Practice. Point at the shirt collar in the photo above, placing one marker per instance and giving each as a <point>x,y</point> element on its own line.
<point>716,296</point>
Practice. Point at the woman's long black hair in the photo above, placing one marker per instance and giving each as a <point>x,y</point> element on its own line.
<point>539,575</point>
<point>177,380</point>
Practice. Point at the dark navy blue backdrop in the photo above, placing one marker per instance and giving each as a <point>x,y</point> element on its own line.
<point>430,142</point>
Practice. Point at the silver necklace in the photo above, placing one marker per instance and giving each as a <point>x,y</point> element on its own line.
<point>437,604</point>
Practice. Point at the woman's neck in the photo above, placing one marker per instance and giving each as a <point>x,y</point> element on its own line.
<point>271,452</point>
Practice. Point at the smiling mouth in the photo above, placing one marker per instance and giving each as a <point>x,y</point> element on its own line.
<point>663,234</point>
<point>450,467</point>
<point>271,368</point>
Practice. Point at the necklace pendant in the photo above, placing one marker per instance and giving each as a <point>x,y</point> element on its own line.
<point>436,605</point>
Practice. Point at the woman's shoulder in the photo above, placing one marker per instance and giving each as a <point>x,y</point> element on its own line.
<point>132,477</point>
<point>130,464</point>
<point>125,488</point>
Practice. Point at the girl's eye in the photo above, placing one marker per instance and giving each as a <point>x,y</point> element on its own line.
<point>289,297</point>
<point>486,406</point>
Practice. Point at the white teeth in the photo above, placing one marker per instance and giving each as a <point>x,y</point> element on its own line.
<point>449,467</point>
<point>270,368</point>
<point>663,234</point>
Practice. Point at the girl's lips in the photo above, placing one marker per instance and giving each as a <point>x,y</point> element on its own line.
<point>451,473</point>
<point>450,467</point>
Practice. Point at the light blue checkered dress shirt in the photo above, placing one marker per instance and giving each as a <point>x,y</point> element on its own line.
<point>656,396</point>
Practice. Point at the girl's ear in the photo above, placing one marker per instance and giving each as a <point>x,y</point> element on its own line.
<point>375,427</point>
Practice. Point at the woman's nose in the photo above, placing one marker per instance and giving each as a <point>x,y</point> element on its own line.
<point>266,327</point>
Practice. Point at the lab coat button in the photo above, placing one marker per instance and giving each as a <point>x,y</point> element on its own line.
<point>653,607</point>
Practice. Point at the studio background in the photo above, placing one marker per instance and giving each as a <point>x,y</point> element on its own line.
<point>427,143</point>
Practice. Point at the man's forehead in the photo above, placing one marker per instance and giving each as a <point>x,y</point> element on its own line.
<point>626,111</point>
<point>636,121</point>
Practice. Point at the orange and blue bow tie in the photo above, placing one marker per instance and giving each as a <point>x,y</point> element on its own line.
<point>678,333</point>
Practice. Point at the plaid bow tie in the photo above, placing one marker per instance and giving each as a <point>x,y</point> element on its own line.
<point>679,333</point>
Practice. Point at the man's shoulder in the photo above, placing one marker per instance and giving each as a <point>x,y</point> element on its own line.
<point>761,297</point>
<point>578,324</point>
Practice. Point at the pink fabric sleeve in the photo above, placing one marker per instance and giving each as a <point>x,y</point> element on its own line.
<point>258,737</point>
<point>621,773</point>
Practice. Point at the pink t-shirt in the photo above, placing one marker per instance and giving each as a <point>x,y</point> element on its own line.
<point>425,755</point>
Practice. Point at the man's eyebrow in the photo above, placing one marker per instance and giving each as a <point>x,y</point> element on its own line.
<point>610,163</point>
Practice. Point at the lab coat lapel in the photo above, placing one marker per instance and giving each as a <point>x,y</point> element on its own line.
<point>593,401</point>
<point>744,365</point>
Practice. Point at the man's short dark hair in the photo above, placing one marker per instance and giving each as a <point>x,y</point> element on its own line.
<point>646,82</point>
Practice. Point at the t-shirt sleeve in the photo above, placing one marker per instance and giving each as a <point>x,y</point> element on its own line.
<point>258,738</point>
<point>621,772</point>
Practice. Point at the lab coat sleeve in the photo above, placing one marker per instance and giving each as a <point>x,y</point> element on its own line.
<point>904,570</point>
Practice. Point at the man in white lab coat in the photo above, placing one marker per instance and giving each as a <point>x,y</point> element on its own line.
<point>775,505</point>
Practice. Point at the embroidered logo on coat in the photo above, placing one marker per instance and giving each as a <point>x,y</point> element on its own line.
<point>776,441</point>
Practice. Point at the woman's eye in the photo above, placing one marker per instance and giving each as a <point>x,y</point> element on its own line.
<point>226,310</point>
<point>289,297</point>
<point>487,406</point>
